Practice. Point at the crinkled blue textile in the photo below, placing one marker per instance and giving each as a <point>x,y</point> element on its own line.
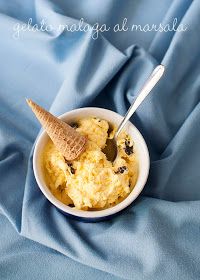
<point>158,237</point>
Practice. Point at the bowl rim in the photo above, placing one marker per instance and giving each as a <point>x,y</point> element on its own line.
<point>99,213</point>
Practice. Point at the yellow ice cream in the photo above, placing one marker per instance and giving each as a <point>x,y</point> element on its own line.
<point>91,182</point>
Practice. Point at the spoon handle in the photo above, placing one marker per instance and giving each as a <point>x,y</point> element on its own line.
<point>150,83</point>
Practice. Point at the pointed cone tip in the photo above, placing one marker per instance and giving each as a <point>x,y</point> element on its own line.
<point>29,102</point>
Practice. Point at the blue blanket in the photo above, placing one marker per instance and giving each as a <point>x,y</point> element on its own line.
<point>158,237</point>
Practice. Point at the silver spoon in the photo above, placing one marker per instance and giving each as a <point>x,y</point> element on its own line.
<point>110,149</point>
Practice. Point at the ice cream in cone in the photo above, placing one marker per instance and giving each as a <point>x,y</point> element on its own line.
<point>66,139</point>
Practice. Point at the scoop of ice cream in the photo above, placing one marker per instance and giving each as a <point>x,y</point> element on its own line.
<point>91,182</point>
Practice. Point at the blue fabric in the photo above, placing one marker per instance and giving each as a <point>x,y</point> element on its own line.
<point>159,236</point>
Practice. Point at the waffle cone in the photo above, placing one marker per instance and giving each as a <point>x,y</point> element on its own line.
<point>66,139</point>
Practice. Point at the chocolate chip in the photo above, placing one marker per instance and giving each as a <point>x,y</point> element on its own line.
<point>71,205</point>
<point>121,170</point>
<point>74,125</point>
<point>128,149</point>
<point>60,188</point>
<point>72,170</point>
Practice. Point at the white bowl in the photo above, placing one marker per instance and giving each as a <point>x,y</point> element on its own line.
<point>142,153</point>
